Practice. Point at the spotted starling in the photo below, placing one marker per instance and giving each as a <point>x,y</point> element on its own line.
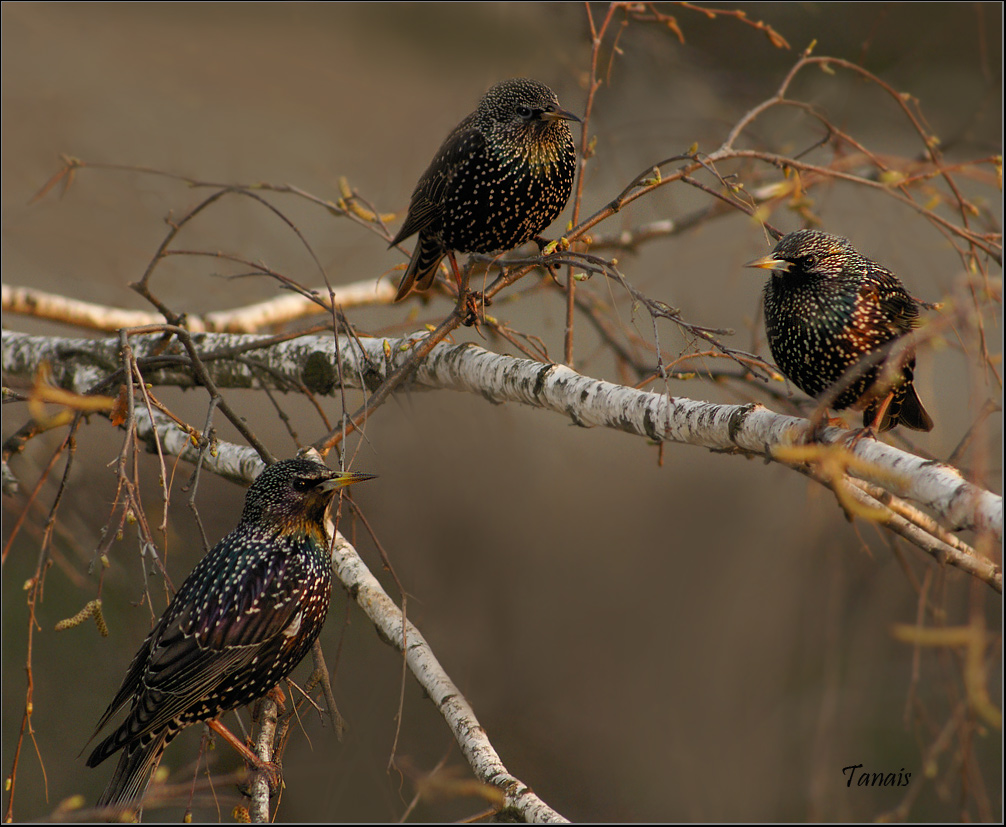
<point>242,620</point>
<point>500,178</point>
<point>827,309</point>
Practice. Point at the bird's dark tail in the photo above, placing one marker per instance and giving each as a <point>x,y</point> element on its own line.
<point>423,266</point>
<point>912,414</point>
<point>133,772</point>
<point>905,408</point>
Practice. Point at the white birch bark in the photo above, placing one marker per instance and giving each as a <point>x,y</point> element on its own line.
<point>279,310</point>
<point>469,733</point>
<point>79,364</point>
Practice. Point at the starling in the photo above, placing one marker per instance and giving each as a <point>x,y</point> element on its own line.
<point>827,308</point>
<point>242,620</point>
<point>500,178</point>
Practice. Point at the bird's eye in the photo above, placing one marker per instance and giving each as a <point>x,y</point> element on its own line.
<point>525,112</point>
<point>301,484</point>
<point>809,261</point>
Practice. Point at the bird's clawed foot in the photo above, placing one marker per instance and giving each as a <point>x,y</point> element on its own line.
<point>274,775</point>
<point>861,433</point>
<point>547,249</point>
<point>472,308</point>
<point>815,430</point>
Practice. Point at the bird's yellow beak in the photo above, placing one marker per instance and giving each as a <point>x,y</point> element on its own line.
<point>559,115</point>
<point>342,479</point>
<point>769,262</point>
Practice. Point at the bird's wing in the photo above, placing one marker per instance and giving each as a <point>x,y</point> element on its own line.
<point>896,305</point>
<point>901,309</point>
<point>157,702</point>
<point>427,205</point>
<point>210,630</point>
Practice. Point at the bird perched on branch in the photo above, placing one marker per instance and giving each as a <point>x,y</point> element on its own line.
<point>242,620</point>
<point>832,317</point>
<point>500,178</point>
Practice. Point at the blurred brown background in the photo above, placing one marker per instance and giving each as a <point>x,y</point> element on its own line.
<point>708,640</point>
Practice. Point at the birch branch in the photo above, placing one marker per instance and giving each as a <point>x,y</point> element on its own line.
<point>81,364</point>
<point>458,714</point>
<point>259,792</point>
<point>365,589</point>
<point>27,301</point>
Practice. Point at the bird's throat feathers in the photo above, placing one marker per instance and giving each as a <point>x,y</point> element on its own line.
<point>304,530</point>
<point>541,159</point>
<point>541,155</point>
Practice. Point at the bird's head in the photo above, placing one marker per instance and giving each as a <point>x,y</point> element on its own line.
<point>295,490</point>
<point>808,254</point>
<point>526,112</point>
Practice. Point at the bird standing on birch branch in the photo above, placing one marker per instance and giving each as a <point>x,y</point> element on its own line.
<point>245,616</point>
<point>499,179</point>
<point>828,309</point>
